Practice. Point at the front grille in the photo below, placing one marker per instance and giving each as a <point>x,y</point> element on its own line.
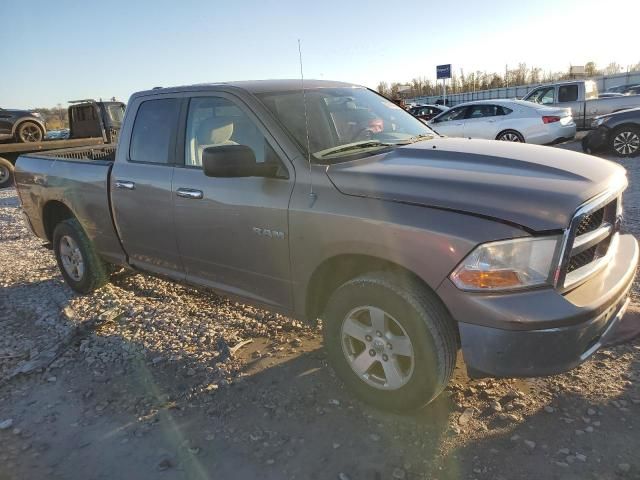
<point>590,222</point>
<point>582,259</point>
<point>590,235</point>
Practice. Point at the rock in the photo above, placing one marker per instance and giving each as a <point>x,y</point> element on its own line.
<point>589,429</point>
<point>581,457</point>
<point>343,476</point>
<point>515,438</point>
<point>579,432</point>
<point>623,467</point>
<point>52,379</point>
<point>270,461</point>
<point>591,411</point>
<point>549,409</point>
<point>164,464</point>
<point>564,451</point>
<point>530,444</point>
<point>335,402</point>
<point>190,372</point>
<point>562,464</point>
<point>6,424</point>
<point>570,459</point>
<point>375,437</point>
<point>496,406</point>
<point>464,418</point>
<point>399,474</point>
<point>296,342</point>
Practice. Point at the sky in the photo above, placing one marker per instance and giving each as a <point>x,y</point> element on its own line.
<point>55,51</point>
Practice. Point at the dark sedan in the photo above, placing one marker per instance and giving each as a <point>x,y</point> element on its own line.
<point>618,132</point>
<point>22,125</point>
<point>427,112</point>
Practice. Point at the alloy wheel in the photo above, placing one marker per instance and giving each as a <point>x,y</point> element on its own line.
<point>510,137</point>
<point>626,143</point>
<point>30,133</point>
<point>71,257</point>
<point>4,174</point>
<point>377,348</point>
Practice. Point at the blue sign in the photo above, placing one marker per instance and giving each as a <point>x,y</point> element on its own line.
<point>443,71</point>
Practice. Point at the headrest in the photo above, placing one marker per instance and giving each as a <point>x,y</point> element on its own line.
<point>215,130</point>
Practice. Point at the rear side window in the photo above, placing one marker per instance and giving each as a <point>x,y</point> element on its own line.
<point>568,93</point>
<point>153,129</point>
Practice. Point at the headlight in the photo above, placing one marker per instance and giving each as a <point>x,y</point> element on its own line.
<point>597,122</point>
<point>508,264</point>
<point>36,114</point>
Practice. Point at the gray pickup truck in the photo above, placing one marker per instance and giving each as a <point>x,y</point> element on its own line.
<point>583,99</point>
<point>333,203</point>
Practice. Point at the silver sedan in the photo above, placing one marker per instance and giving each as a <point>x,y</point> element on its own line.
<point>509,120</point>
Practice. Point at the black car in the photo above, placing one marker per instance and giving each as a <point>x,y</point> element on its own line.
<point>618,132</point>
<point>21,125</point>
<point>427,112</point>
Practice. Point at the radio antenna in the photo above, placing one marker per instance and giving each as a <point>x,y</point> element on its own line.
<point>306,120</point>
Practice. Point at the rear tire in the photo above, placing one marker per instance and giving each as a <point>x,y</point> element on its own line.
<point>390,340</point>
<point>510,136</point>
<point>82,268</point>
<point>624,141</point>
<point>6,173</point>
<point>29,132</point>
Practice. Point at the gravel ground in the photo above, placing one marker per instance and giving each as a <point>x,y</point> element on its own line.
<point>177,383</point>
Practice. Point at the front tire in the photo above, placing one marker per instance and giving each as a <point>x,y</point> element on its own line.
<point>390,340</point>
<point>6,173</point>
<point>625,141</point>
<point>80,265</point>
<point>29,132</point>
<point>510,136</point>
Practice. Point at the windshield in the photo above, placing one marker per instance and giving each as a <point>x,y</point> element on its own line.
<point>344,121</point>
<point>116,112</point>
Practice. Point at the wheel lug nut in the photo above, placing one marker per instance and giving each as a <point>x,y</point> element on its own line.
<point>378,334</point>
<point>385,358</point>
<point>368,338</point>
<point>389,346</point>
<point>372,352</point>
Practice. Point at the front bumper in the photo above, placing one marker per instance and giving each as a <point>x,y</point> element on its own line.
<point>542,332</point>
<point>596,140</point>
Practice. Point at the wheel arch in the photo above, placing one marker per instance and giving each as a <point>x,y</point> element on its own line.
<point>335,271</point>
<point>38,122</point>
<point>54,212</point>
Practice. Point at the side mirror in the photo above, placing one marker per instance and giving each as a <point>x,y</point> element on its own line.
<point>234,161</point>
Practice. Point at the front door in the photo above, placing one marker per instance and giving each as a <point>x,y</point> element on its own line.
<point>451,123</point>
<point>141,193</point>
<point>233,233</point>
<point>482,121</point>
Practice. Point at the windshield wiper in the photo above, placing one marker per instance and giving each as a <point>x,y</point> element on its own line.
<point>422,136</point>
<point>353,146</point>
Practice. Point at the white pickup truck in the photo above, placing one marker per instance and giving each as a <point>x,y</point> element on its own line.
<point>582,97</point>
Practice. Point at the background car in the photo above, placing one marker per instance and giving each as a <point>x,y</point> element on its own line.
<point>427,112</point>
<point>22,125</point>
<point>509,120</point>
<point>618,132</point>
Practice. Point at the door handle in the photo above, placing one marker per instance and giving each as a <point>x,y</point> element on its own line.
<point>125,184</point>
<point>189,193</point>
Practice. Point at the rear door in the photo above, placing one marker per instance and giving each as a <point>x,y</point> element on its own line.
<point>482,121</point>
<point>451,123</point>
<point>141,187</point>
<point>6,123</point>
<point>233,233</point>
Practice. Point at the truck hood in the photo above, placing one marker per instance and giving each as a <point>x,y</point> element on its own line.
<point>536,187</point>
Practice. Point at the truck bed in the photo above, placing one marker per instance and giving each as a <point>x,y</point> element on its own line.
<point>77,178</point>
